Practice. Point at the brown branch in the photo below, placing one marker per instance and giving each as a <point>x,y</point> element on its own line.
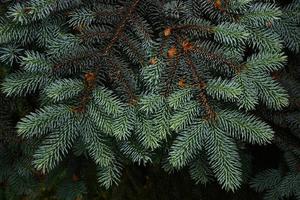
<point>107,49</point>
<point>120,28</point>
<point>173,74</point>
<point>132,47</point>
<point>163,44</point>
<point>88,35</point>
<point>108,13</point>
<point>136,20</point>
<point>197,27</point>
<point>76,59</point>
<point>91,84</point>
<point>186,48</point>
<point>115,38</point>
<point>120,76</point>
<point>217,57</point>
<point>210,114</point>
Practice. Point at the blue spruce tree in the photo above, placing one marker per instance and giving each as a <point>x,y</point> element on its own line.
<point>172,83</point>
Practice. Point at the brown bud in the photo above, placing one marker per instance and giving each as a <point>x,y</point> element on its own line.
<point>181,83</point>
<point>186,45</point>
<point>167,32</point>
<point>218,4</point>
<point>153,61</point>
<point>90,76</point>
<point>172,52</point>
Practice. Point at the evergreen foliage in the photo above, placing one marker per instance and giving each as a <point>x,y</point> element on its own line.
<point>171,83</point>
<point>284,182</point>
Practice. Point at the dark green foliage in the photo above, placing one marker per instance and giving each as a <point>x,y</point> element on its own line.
<point>173,84</point>
<point>284,182</point>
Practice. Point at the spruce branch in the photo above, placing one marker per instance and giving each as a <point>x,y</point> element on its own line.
<point>120,28</point>
<point>202,85</point>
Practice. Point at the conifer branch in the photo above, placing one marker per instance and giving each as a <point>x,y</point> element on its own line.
<point>76,59</point>
<point>131,46</point>
<point>120,28</point>
<point>207,28</point>
<point>89,35</point>
<point>217,57</point>
<point>202,85</point>
<point>120,76</point>
<point>186,48</point>
<point>172,74</point>
<point>106,72</point>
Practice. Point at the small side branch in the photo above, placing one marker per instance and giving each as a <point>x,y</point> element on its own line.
<point>91,77</point>
<point>120,77</point>
<point>120,28</point>
<point>173,74</point>
<point>217,57</point>
<point>210,114</point>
